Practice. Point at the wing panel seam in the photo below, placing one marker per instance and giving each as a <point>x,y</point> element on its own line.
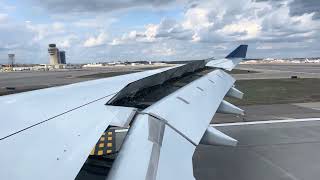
<point>170,126</point>
<point>41,122</point>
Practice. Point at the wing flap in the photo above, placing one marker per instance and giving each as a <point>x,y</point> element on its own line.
<point>121,116</point>
<point>155,146</point>
<point>203,95</point>
<point>178,152</point>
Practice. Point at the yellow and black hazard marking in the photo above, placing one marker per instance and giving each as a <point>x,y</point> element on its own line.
<point>106,144</point>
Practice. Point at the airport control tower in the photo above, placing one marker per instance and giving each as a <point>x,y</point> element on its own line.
<point>54,54</point>
<point>11,60</point>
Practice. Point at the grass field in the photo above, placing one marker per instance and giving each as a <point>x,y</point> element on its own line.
<point>240,71</point>
<point>118,73</point>
<point>278,91</point>
<point>111,74</point>
<point>4,91</point>
<point>107,74</point>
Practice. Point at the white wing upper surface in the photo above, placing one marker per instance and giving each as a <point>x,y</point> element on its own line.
<point>33,107</point>
<point>55,149</point>
<point>48,134</point>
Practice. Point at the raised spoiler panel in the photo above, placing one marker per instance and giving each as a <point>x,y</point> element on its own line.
<point>157,79</point>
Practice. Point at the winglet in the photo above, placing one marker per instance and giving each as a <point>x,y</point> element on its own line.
<point>240,52</point>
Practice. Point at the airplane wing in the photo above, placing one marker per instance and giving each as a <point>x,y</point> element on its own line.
<point>169,131</point>
<point>163,137</point>
<point>49,133</point>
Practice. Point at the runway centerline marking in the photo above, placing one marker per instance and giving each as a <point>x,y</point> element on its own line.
<point>265,122</point>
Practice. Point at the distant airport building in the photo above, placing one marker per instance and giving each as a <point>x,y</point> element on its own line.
<point>57,57</point>
<point>62,55</point>
<point>11,58</point>
<point>54,54</point>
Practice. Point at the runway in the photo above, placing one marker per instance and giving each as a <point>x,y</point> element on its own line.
<point>277,71</point>
<point>286,151</point>
<point>31,80</point>
<point>302,68</point>
<point>271,111</point>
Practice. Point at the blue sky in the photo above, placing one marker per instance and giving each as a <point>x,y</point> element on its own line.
<point>95,30</point>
